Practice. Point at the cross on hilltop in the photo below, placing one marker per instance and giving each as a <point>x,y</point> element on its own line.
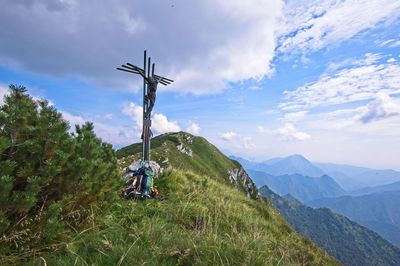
<point>150,82</point>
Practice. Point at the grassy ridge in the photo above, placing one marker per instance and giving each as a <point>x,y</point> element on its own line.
<point>205,158</point>
<point>201,221</point>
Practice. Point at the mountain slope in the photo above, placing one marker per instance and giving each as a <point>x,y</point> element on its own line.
<point>294,164</point>
<point>208,215</point>
<point>201,221</point>
<point>184,151</point>
<point>301,187</point>
<point>349,242</point>
<point>379,212</point>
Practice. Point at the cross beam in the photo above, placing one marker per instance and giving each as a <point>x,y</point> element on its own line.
<point>150,82</point>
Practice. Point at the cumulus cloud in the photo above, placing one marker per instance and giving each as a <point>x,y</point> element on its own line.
<point>160,122</point>
<point>382,107</point>
<point>248,143</point>
<point>289,133</point>
<point>135,112</point>
<point>295,116</point>
<point>202,45</point>
<point>193,128</point>
<point>227,136</point>
<point>350,84</point>
<point>3,92</point>
<point>117,135</point>
<point>261,129</point>
<point>312,25</point>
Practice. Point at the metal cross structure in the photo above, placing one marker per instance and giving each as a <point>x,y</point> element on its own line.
<point>150,82</point>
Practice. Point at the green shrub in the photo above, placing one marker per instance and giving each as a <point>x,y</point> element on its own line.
<point>46,173</point>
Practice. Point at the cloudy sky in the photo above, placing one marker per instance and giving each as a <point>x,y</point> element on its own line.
<point>257,78</point>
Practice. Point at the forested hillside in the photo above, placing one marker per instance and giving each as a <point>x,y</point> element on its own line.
<point>349,242</point>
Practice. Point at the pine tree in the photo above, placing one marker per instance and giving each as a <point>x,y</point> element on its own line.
<point>42,164</point>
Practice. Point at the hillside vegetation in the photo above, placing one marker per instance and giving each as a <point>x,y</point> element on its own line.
<point>378,211</point>
<point>186,152</point>
<point>209,213</point>
<point>344,239</point>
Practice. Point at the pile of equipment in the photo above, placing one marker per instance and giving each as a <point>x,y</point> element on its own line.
<point>140,178</point>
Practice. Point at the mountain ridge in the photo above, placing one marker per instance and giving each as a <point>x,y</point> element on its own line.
<point>349,177</point>
<point>303,188</point>
<point>350,243</point>
<point>378,211</point>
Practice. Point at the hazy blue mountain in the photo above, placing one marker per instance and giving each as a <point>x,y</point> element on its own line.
<point>247,164</point>
<point>350,243</point>
<point>303,188</point>
<point>294,164</point>
<point>354,177</point>
<point>349,177</point>
<point>370,190</point>
<point>374,177</point>
<point>379,211</point>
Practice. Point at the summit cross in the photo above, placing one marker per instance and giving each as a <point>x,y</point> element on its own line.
<point>150,82</point>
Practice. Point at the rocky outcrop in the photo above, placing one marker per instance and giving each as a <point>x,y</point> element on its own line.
<point>134,166</point>
<point>185,150</point>
<point>239,177</point>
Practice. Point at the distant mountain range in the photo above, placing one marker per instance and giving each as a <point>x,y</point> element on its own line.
<point>353,177</point>
<point>379,211</point>
<point>303,188</point>
<point>349,242</point>
<point>370,190</point>
<point>349,177</point>
<point>294,164</point>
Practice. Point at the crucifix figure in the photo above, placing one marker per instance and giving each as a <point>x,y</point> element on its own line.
<point>150,83</point>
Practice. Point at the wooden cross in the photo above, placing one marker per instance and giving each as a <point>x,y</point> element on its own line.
<point>149,95</point>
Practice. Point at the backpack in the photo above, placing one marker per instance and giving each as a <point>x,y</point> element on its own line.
<point>147,181</point>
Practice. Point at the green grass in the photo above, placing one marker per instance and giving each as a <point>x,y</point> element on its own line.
<point>206,159</point>
<point>201,221</point>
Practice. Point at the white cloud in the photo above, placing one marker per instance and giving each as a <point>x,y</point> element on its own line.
<point>383,107</point>
<point>312,25</point>
<point>227,136</point>
<point>161,124</point>
<point>295,116</point>
<point>248,143</point>
<point>261,129</point>
<point>3,92</point>
<point>202,45</point>
<point>108,116</point>
<point>346,85</point>
<point>289,133</point>
<point>73,119</point>
<point>395,44</point>
<point>135,112</point>
<point>254,88</point>
<point>193,128</point>
<point>117,135</point>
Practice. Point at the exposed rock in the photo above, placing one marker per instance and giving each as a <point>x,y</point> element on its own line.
<point>239,177</point>
<point>157,170</point>
<point>184,150</point>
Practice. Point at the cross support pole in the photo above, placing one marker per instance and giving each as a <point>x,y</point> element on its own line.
<point>150,81</point>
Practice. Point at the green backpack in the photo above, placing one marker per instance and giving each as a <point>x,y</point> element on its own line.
<point>148,181</point>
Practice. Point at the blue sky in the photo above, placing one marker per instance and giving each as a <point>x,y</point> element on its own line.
<point>257,78</point>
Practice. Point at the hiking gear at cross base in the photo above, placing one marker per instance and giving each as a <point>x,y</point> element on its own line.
<point>141,184</point>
